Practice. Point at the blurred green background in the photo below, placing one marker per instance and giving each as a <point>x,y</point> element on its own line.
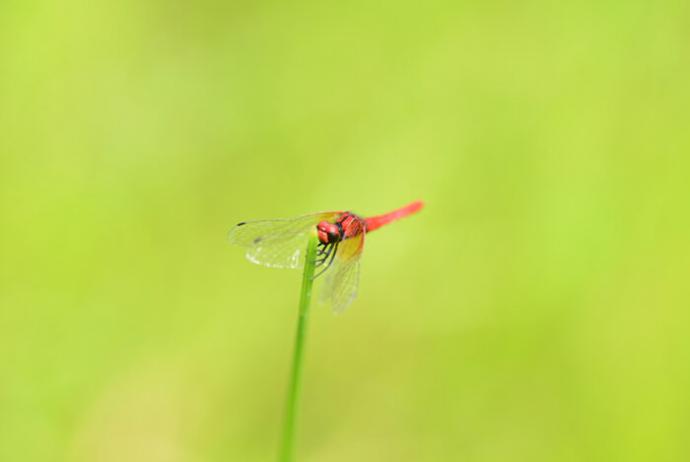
<point>536,310</point>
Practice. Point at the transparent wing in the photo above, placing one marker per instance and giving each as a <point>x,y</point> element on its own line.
<point>342,278</point>
<point>277,243</point>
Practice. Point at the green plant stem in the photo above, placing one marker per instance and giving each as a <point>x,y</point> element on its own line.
<point>287,447</point>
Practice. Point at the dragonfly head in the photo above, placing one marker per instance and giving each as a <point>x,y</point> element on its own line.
<point>328,233</point>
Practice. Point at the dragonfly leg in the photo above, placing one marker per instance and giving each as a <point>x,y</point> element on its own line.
<point>330,262</point>
<point>326,251</point>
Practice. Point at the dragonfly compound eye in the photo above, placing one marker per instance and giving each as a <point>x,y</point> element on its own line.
<point>328,232</point>
<point>322,232</point>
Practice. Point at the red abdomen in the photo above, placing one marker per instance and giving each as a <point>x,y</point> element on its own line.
<point>373,223</point>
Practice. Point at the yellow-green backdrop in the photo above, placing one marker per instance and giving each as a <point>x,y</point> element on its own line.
<point>536,310</point>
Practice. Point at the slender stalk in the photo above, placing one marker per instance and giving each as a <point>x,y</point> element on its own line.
<point>287,447</point>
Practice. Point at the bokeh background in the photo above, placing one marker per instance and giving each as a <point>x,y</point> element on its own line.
<point>536,310</point>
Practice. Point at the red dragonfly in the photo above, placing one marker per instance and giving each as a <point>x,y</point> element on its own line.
<point>281,244</point>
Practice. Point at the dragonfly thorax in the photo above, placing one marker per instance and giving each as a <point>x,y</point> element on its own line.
<point>329,233</point>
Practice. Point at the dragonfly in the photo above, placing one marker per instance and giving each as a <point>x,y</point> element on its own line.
<point>281,243</point>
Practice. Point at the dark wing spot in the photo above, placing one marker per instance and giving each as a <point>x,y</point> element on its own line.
<point>258,239</point>
<point>241,223</point>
